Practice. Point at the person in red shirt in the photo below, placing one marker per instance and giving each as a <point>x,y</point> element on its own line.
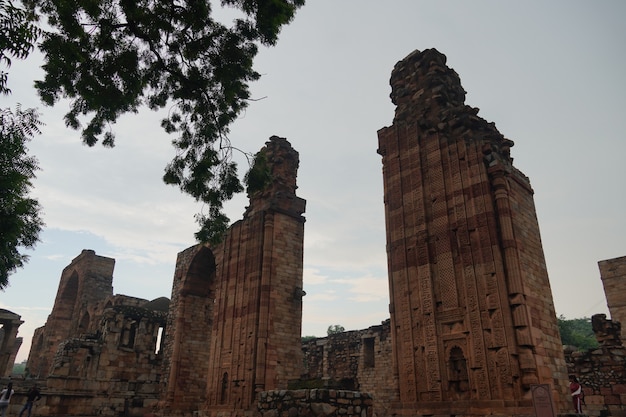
<point>577,393</point>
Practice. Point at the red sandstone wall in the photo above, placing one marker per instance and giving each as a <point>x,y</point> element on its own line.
<point>235,318</point>
<point>186,348</point>
<point>473,323</point>
<point>613,274</point>
<point>255,342</point>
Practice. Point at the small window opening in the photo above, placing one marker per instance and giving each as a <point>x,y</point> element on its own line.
<point>368,352</point>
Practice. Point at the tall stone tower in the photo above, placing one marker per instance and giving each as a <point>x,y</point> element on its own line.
<point>473,320</point>
<point>235,318</point>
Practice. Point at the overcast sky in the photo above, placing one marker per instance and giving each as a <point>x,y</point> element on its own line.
<point>549,74</point>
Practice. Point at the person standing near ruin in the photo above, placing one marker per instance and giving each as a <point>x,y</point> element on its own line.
<point>5,398</point>
<point>577,393</point>
<point>32,395</point>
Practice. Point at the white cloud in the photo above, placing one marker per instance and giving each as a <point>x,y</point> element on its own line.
<point>313,277</point>
<point>366,289</point>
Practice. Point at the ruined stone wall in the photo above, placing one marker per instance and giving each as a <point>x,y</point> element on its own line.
<point>255,341</point>
<point>356,360</point>
<point>315,403</point>
<point>235,319</point>
<point>472,315</point>
<point>613,274</point>
<point>119,359</point>
<point>231,330</point>
<point>9,342</point>
<point>99,350</point>
<point>123,348</point>
<point>602,371</point>
<point>186,347</point>
<point>333,361</point>
<point>87,280</point>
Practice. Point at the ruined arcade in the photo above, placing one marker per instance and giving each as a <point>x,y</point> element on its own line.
<point>472,327</point>
<point>231,330</point>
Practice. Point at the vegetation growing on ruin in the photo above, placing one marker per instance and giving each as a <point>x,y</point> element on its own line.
<point>334,329</point>
<point>259,176</point>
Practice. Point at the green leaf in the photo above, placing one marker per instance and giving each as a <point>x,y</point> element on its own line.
<point>20,221</point>
<point>112,56</point>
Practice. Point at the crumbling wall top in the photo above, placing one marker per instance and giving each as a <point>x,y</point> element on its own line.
<point>426,91</point>
<point>272,178</point>
<point>422,81</point>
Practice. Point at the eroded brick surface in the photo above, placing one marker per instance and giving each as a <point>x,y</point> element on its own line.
<point>235,318</point>
<point>613,274</point>
<point>472,316</point>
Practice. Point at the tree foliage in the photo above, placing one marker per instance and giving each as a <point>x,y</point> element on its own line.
<point>577,332</point>
<point>110,57</point>
<point>18,34</point>
<point>334,329</point>
<point>20,223</point>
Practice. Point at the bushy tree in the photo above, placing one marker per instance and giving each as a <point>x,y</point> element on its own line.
<point>577,332</point>
<point>112,56</point>
<point>18,34</point>
<point>334,329</point>
<point>20,222</point>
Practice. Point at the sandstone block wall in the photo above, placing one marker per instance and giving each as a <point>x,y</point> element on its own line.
<point>119,359</point>
<point>613,274</point>
<point>95,342</point>
<point>235,318</point>
<point>356,360</point>
<point>9,342</point>
<point>315,403</point>
<point>472,318</point>
<point>85,281</point>
<point>186,345</point>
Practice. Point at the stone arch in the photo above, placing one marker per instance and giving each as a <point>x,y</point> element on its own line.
<point>189,329</point>
<point>66,300</point>
<point>458,377</point>
<point>224,392</point>
<point>200,274</point>
<point>83,325</point>
<point>39,342</point>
